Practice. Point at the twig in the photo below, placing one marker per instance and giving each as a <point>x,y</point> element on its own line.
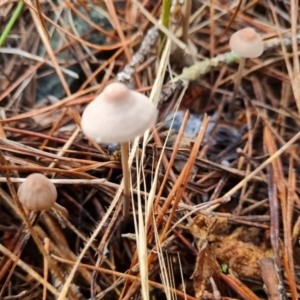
<point>186,20</point>
<point>269,275</point>
<point>140,56</point>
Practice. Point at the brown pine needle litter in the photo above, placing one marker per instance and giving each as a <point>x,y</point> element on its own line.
<point>215,205</point>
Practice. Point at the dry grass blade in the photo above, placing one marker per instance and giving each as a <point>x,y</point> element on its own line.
<point>289,216</point>
<point>38,8</point>
<point>238,286</point>
<point>182,180</point>
<point>45,40</point>
<point>37,58</point>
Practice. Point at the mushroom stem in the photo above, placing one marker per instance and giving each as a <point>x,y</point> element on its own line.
<point>126,178</point>
<point>236,85</point>
<point>186,21</point>
<point>61,209</point>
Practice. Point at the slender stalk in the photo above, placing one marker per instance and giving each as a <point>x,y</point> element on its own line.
<point>126,178</point>
<point>165,15</point>
<point>61,209</point>
<point>11,22</point>
<point>237,85</point>
<point>186,20</point>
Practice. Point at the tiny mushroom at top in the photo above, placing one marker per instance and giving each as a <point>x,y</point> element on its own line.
<point>246,43</point>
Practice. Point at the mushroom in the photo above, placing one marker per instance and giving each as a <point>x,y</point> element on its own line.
<point>38,193</point>
<point>247,44</point>
<point>119,115</point>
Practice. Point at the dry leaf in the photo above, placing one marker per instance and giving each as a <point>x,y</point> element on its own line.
<point>203,229</point>
<point>241,257</point>
<point>206,266</point>
<point>215,249</point>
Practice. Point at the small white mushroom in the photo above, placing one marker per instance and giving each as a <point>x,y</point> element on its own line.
<point>119,115</point>
<point>38,193</point>
<point>247,44</point>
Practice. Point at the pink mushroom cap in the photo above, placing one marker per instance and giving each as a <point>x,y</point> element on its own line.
<point>118,115</point>
<point>246,43</point>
